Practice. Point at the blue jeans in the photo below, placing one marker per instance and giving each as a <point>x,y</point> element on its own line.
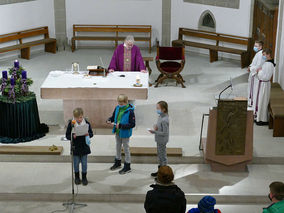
<point>83,160</point>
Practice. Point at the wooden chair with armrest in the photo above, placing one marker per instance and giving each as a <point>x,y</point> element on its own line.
<point>166,61</point>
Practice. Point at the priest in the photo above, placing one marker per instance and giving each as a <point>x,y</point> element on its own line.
<point>127,57</point>
<point>257,62</point>
<point>263,85</point>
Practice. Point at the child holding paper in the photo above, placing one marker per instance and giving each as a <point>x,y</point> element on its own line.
<point>81,144</point>
<point>161,131</point>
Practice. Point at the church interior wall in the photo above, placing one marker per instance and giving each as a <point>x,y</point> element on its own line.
<point>26,15</point>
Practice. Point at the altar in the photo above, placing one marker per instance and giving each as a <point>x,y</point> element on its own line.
<point>96,95</point>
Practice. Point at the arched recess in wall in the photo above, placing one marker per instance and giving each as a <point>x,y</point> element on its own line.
<point>207,21</point>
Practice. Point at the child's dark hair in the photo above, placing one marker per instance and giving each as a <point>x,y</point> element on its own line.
<point>164,106</point>
<point>268,51</point>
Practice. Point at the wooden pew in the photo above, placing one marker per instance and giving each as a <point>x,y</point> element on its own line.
<point>111,33</point>
<point>276,110</point>
<point>50,43</point>
<point>215,48</point>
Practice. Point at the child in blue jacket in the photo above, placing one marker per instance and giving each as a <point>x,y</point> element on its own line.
<point>123,119</point>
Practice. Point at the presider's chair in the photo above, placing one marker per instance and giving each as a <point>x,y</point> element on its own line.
<point>167,64</point>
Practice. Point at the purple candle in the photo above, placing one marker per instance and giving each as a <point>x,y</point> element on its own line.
<point>24,74</point>
<point>12,81</point>
<point>16,64</point>
<point>4,74</point>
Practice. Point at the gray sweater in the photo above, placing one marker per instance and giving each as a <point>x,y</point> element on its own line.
<point>162,134</point>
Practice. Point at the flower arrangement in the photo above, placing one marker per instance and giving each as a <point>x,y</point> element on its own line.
<point>15,88</point>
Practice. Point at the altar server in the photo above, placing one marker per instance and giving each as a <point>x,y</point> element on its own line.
<point>127,57</point>
<point>257,62</point>
<point>161,131</point>
<point>263,85</point>
<point>123,120</point>
<point>81,145</point>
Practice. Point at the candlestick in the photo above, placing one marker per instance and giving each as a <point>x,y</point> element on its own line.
<point>24,74</point>
<point>12,81</point>
<point>16,64</point>
<point>4,74</point>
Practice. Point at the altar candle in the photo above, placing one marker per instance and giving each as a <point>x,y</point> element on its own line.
<point>4,74</point>
<point>24,74</point>
<point>16,64</point>
<point>12,81</point>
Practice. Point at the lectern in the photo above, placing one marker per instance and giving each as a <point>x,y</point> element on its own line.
<point>229,142</point>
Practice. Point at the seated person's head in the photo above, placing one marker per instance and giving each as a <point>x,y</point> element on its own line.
<point>206,204</point>
<point>162,107</point>
<point>267,54</point>
<point>165,175</point>
<point>276,191</point>
<point>129,42</point>
<point>258,45</point>
<point>78,115</point>
<point>122,100</point>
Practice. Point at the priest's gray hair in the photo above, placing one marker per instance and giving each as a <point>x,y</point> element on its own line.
<point>129,38</point>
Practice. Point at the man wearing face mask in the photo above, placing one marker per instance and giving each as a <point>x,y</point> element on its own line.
<point>127,57</point>
<point>257,62</point>
<point>276,196</point>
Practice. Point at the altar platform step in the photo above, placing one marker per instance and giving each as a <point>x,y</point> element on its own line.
<point>47,207</point>
<point>134,159</point>
<point>52,182</point>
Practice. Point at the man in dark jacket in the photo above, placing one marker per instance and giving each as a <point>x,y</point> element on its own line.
<point>165,197</point>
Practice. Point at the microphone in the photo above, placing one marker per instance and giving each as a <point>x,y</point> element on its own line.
<point>73,122</point>
<point>230,86</point>
<point>103,66</point>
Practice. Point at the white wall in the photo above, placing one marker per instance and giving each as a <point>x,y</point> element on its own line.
<point>279,75</point>
<point>229,21</point>
<point>140,12</point>
<point>21,16</point>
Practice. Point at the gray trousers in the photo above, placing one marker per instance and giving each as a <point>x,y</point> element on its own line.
<point>125,143</point>
<point>162,154</point>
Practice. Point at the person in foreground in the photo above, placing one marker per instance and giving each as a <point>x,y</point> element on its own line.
<point>123,120</point>
<point>161,131</point>
<point>262,93</point>
<point>127,57</point>
<point>81,145</point>
<point>276,196</point>
<point>165,197</point>
<point>205,205</point>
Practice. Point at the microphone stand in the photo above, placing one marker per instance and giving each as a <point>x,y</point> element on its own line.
<point>72,205</point>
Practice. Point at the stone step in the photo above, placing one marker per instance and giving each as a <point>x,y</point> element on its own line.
<point>135,159</point>
<point>35,207</point>
<point>52,182</point>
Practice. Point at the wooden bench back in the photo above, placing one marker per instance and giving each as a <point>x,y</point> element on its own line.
<point>214,36</point>
<point>24,34</point>
<point>112,28</point>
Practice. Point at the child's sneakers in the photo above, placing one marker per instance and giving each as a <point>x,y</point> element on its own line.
<point>77,178</point>
<point>126,169</point>
<point>84,179</point>
<point>116,165</point>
